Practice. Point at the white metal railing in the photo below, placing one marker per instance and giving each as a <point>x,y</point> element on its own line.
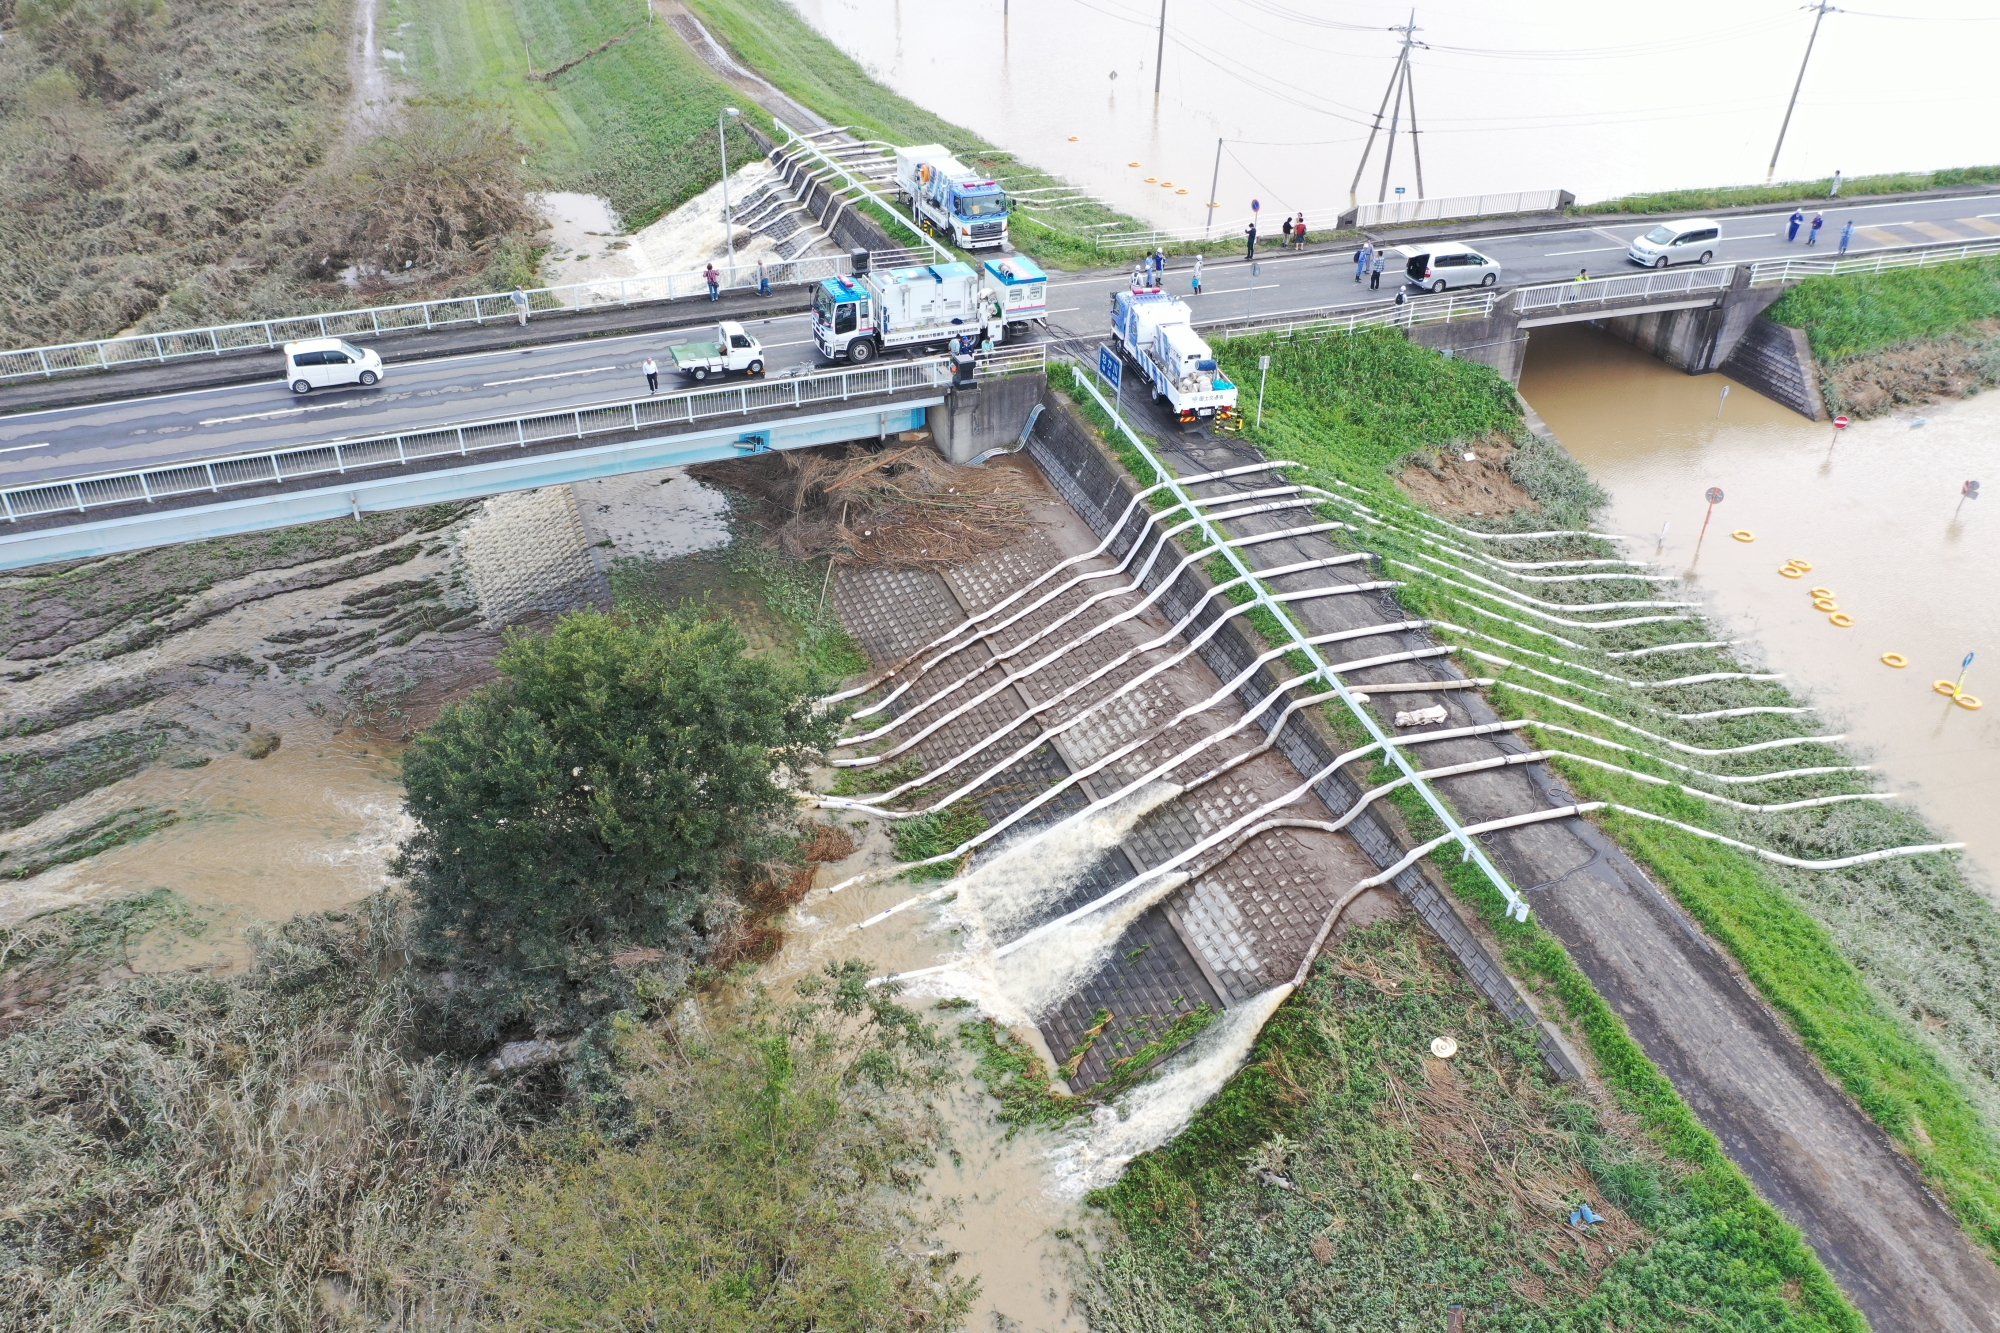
<point>1347,319</point>
<point>1460,206</point>
<point>1766,271</point>
<point>1004,361</point>
<point>338,458</point>
<point>1221,231</point>
<point>492,308</point>
<point>1635,289</point>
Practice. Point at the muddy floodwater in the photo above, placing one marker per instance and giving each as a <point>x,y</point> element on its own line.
<point>1876,513</point>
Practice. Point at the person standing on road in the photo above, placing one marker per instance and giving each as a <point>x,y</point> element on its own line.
<point>1375,272</point>
<point>1139,277</point>
<point>1288,231</point>
<point>1819,220</point>
<point>1793,223</point>
<point>1197,273</point>
<point>1846,236</point>
<point>1361,258</point>
<point>714,281</point>
<point>652,369</point>
<point>1834,193</point>
<point>1299,232</point>
<point>1159,263</point>
<point>1583,275</point>
<point>1250,237</point>
<point>520,300</point>
<point>763,280</point>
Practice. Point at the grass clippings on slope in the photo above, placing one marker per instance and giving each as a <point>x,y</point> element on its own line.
<point>1889,972</point>
<point>1349,1179</point>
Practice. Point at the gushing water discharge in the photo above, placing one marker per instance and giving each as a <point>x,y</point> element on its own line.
<point>1159,1110</point>
<point>1042,977</point>
<point>1005,894</point>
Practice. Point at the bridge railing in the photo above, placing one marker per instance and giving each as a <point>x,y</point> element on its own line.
<point>1456,206</point>
<point>370,321</point>
<point>1004,361</point>
<point>1767,271</point>
<point>1637,289</point>
<point>338,458</point>
<point>1347,319</point>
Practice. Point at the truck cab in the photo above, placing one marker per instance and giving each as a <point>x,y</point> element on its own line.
<point>947,198</point>
<point>843,320</point>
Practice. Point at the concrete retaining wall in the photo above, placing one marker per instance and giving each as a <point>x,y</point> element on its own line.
<point>1098,489</point>
<point>989,415</point>
<point>1778,362</point>
<point>1699,341</point>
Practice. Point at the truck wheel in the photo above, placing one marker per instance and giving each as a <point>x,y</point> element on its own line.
<point>860,350</point>
<point>301,386</point>
<point>755,368</point>
<point>700,373</point>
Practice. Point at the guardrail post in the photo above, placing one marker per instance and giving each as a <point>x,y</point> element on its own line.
<point>401,457</point>
<point>213,486</point>
<point>144,489</point>
<point>159,352</point>
<point>8,505</point>
<point>46,372</point>
<point>76,495</point>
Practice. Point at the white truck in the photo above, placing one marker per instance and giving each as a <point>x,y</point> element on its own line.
<point>733,349</point>
<point>936,305</point>
<point>949,199</point>
<point>1022,290</point>
<point>1156,332</point>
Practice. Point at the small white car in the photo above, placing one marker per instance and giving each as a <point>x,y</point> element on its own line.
<point>1689,242</point>
<point>1449,264</point>
<point>320,363</point>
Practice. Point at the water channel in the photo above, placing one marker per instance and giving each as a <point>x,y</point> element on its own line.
<point>1876,513</point>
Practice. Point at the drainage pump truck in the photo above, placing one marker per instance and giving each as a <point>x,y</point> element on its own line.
<point>949,199</point>
<point>936,305</point>
<point>1156,331</point>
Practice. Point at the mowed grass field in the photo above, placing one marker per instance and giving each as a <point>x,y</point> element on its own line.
<point>634,121</point>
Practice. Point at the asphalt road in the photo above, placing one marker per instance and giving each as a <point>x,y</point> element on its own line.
<point>152,430</point>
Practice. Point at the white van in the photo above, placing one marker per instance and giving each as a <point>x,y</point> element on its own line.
<point>1448,264</point>
<point>1690,242</point>
<point>319,363</point>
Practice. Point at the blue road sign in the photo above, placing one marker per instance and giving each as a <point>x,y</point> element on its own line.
<point>1108,365</point>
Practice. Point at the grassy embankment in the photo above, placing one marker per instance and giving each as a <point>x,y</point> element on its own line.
<point>770,37</point>
<point>140,143</point>
<point>1903,337</point>
<point>631,115</point>
<point>1889,972</point>
<point>1787,192</point>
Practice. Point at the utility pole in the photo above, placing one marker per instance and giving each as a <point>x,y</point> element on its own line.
<point>1409,31</point>
<point>1410,91</point>
<point>1213,181</point>
<point>1819,12</point>
<point>1160,51</point>
<point>1395,116</point>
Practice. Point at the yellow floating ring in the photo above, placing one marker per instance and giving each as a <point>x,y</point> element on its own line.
<point>1967,701</point>
<point>1803,566</point>
<point>1790,573</point>
<point>1744,535</point>
<point>1180,191</point>
<point>1822,592</point>
<point>1076,138</point>
<point>1131,164</point>
<point>1841,620</point>
<point>1945,686</point>
<point>1825,604</point>
<point>1895,660</point>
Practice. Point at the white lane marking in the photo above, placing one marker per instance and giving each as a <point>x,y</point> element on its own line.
<point>803,342</point>
<point>281,412</point>
<point>1066,310</point>
<point>1596,250</point>
<point>17,448</point>
<point>1224,291</point>
<point>556,375</point>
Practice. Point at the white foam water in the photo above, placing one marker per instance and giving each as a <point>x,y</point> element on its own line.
<point>1155,1112</point>
<point>1047,972</point>
<point>1026,877</point>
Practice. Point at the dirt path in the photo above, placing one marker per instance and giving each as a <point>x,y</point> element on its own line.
<point>1889,1243</point>
<point>371,106</point>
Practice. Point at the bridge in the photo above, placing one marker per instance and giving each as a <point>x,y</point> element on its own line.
<point>96,513</point>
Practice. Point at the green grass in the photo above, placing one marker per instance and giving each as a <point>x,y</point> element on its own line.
<point>771,37</point>
<point>934,834</point>
<point>1890,973</point>
<point>1785,192</point>
<point>1414,1185</point>
<point>1847,316</point>
<point>635,122</point>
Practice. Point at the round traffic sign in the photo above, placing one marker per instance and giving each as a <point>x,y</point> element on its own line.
<point>1715,495</point>
<point>1840,423</point>
<point>1256,205</point>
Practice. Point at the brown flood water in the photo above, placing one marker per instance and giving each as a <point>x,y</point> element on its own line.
<point>1874,516</point>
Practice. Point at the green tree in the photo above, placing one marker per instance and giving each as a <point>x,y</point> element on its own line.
<point>606,793</point>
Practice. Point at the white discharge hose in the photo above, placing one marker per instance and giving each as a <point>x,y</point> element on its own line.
<point>1052,571</point>
<point>1166,584</point>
